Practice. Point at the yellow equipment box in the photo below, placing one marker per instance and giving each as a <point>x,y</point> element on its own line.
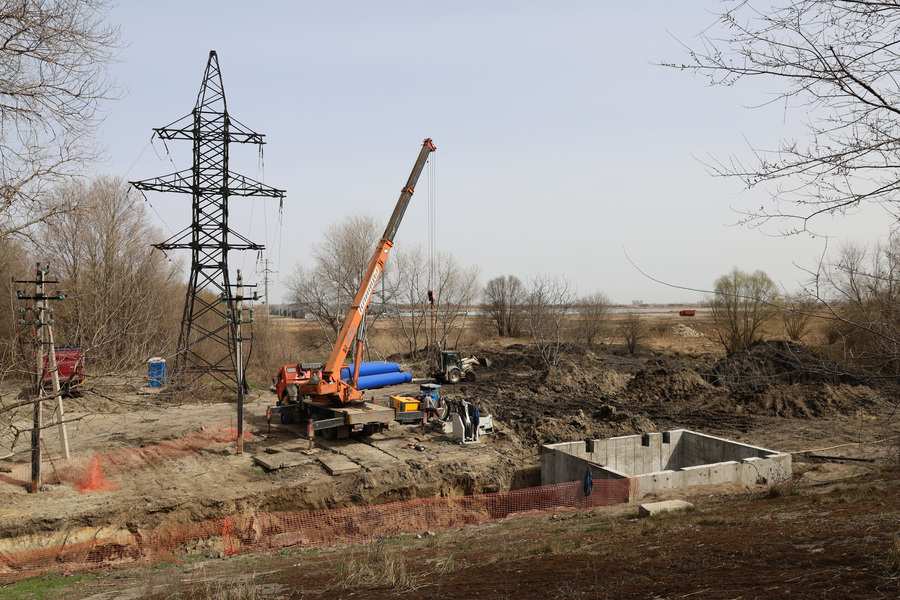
<point>404,403</point>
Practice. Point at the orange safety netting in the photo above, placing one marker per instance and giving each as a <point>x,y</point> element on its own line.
<point>266,531</point>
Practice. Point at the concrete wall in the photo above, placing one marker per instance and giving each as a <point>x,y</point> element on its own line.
<point>558,466</point>
<point>626,453</point>
<point>695,448</point>
<point>687,459</point>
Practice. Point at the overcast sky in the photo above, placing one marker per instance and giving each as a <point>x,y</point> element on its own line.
<point>561,143</point>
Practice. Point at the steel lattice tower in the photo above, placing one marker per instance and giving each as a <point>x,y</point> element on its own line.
<point>206,344</point>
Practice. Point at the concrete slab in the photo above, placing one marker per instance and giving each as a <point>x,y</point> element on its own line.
<point>337,464</point>
<point>368,456</point>
<point>655,508</point>
<point>281,460</point>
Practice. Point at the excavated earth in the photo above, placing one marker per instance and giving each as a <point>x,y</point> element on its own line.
<point>141,462</point>
<point>601,392</point>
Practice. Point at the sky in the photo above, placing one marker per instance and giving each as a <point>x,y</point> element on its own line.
<point>563,148</point>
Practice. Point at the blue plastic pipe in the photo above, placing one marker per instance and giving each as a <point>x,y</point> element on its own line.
<point>370,368</point>
<point>370,382</point>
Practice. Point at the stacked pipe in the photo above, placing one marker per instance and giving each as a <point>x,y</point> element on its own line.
<point>374,375</point>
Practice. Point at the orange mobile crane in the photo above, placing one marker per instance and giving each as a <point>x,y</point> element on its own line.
<point>316,388</point>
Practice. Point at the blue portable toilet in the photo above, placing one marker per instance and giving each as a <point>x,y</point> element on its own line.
<point>156,372</point>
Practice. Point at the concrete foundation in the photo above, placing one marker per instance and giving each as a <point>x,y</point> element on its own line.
<point>659,462</point>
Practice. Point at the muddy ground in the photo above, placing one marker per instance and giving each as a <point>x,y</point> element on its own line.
<point>141,461</point>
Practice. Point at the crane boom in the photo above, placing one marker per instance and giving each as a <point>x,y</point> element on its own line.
<point>328,382</point>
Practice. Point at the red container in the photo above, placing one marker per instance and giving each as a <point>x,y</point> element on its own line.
<point>70,366</point>
<point>687,312</point>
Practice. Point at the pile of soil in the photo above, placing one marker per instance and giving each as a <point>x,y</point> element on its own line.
<point>790,380</point>
<point>663,383</point>
<point>572,377</point>
<point>595,392</point>
<point>546,417</point>
<point>809,401</point>
<point>573,400</point>
<point>752,371</point>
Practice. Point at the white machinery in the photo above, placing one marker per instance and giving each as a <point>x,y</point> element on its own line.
<point>460,424</point>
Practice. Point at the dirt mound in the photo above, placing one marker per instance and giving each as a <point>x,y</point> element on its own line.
<point>765,364</point>
<point>790,380</point>
<point>515,357</point>
<point>664,383</point>
<point>571,377</point>
<point>808,401</point>
<point>540,413</point>
<point>603,422</point>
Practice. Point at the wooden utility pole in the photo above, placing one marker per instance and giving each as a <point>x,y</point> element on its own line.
<point>239,319</point>
<point>45,360</point>
<point>54,377</point>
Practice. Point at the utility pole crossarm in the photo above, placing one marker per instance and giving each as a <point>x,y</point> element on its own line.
<point>237,133</point>
<point>181,182</point>
<point>184,240</point>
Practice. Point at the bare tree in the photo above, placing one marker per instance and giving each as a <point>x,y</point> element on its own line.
<point>326,288</point>
<point>14,264</point>
<point>741,304</point>
<point>593,311</point>
<point>835,60</point>
<point>53,60</point>
<point>454,287</point>
<point>860,292</point>
<point>633,331</point>
<point>410,303</point>
<point>123,298</point>
<point>797,312</point>
<point>504,297</point>
<point>548,303</point>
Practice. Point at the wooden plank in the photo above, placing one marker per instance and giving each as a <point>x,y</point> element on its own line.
<point>336,464</point>
<point>366,413</point>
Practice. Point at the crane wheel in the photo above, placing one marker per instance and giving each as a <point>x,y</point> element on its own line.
<point>454,375</point>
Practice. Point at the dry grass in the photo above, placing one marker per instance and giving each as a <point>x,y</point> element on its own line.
<point>378,566</point>
<point>221,590</point>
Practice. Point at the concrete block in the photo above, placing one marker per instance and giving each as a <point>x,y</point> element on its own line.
<point>337,464</point>
<point>654,508</point>
<point>281,460</point>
